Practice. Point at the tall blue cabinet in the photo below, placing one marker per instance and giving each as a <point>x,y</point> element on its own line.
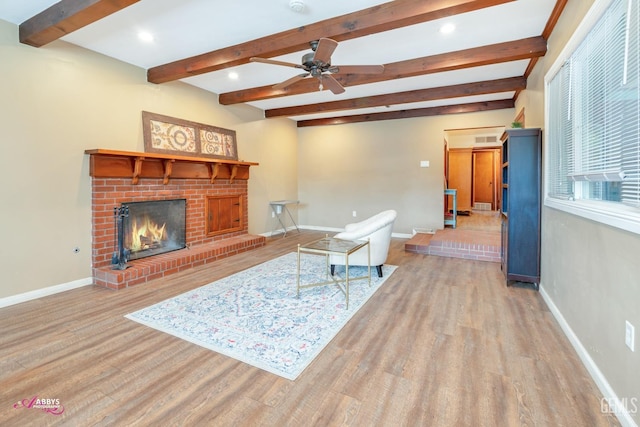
<point>521,204</point>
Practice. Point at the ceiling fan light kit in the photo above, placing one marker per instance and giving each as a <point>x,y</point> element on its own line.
<point>317,64</point>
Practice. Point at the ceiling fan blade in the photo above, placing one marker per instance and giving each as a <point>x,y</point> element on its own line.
<point>290,81</point>
<point>324,50</point>
<point>330,82</point>
<point>274,62</point>
<point>357,69</point>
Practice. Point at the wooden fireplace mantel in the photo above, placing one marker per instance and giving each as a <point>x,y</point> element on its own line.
<point>134,165</point>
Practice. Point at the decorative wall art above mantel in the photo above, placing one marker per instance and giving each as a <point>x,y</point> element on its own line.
<point>168,135</point>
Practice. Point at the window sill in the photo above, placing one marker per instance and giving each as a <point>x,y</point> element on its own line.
<point>613,214</point>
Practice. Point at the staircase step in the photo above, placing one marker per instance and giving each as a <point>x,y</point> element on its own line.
<point>466,244</point>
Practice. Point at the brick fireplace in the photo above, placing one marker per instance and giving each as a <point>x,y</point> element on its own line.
<point>124,177</point>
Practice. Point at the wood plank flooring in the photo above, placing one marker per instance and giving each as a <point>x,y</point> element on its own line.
<point>443,343</point>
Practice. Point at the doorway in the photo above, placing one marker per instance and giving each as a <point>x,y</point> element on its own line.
<point>484,185</point>
<point>472,159</point>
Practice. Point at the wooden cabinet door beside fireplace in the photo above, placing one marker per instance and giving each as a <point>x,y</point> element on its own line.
<point>223,214</point>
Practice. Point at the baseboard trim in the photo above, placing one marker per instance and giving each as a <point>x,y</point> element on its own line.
<point>601,381</point>
<point>39,293</point>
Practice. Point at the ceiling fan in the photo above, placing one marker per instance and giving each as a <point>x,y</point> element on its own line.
<point>318,64</point>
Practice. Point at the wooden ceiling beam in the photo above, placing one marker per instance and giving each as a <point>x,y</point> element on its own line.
<point>501,52</point>
<point>511,84</point>
<point>553,19</point>
<point>384,17</point>
<point>407,114</point>
<point>65,17</point>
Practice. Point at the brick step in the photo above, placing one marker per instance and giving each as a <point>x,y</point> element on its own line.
<point>146,269</point>
<point>458,243</point>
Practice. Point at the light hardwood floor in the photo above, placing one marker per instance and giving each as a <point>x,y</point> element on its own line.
<point>443,343</point>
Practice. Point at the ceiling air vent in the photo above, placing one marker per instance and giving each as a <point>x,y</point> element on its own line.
<point>486,139</point>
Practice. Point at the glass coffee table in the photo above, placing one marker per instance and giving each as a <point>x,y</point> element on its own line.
<point>332,246</point>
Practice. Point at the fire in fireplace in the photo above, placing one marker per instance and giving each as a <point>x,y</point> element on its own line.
<point>154,227</point>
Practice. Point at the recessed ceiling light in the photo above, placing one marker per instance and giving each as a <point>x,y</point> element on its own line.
<point>145,36</point>
<point>233,75</point>
<point>447,28</point>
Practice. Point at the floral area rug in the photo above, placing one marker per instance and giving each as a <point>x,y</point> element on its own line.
<point>254,315</point>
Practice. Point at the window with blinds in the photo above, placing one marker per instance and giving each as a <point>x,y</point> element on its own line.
<point>593,114</point>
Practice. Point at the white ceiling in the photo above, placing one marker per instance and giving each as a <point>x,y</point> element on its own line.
<point>185,28</point>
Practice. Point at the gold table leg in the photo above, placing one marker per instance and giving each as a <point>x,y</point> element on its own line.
<point>298,274</point>
<point>346,282</point>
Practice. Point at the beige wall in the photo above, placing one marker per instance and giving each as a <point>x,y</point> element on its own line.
<point>590,271</point>
<point>274,145</point>
<point>59,100</point>
<point>370,167</point>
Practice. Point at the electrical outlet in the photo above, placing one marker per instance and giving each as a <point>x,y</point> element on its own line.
<point>629,335</point>
<point>273,214</point>
<point>354,214</point>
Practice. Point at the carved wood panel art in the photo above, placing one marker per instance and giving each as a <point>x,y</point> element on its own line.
<point>169,135</point>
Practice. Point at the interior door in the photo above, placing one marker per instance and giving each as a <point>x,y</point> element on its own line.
<point>484,177</point>
<point>460,176</point>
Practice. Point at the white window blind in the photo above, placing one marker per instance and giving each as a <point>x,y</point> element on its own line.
<point>631,124</point>
<point>593,115</point>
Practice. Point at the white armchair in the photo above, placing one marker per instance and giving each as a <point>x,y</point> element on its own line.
<point>378,230</point>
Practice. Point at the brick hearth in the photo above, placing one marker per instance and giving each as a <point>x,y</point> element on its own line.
<point>201,249</point>
<point>145,269</point>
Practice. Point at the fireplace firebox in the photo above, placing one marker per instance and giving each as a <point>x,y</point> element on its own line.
<point>154,227</point>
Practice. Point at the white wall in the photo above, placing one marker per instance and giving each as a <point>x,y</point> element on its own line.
<point>467,138</point>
